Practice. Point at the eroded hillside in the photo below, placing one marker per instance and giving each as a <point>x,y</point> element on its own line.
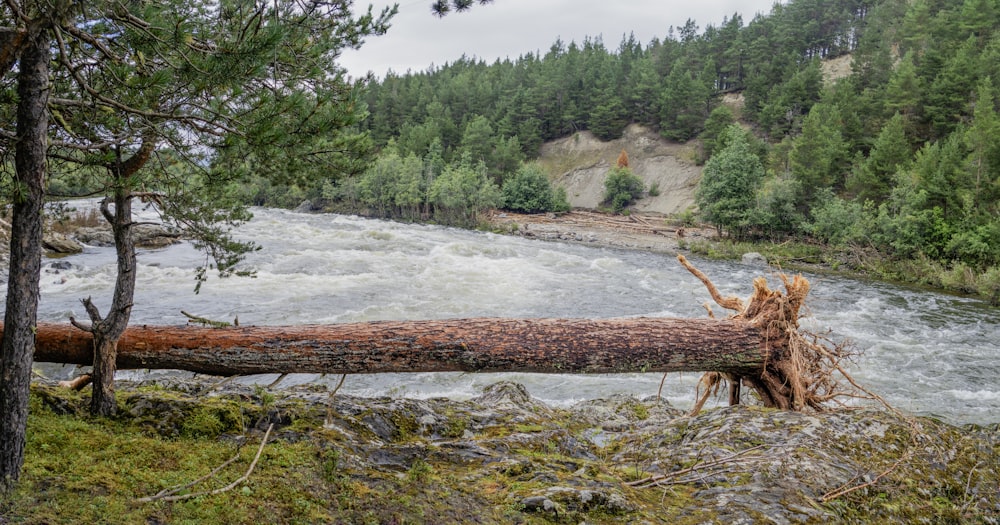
<point>579,163</point>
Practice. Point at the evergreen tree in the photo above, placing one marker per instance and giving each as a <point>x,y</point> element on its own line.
<point>718,121</point>
<point>984,151</point>
<point>608,119</point>
<point>729,182</point>
<point>819,156</point>
<point>530,191</point>
<point>207,83</point>
<point>891,152</point>
<point>903,93</point>
<point>478,140</point>
<point>683,105</point>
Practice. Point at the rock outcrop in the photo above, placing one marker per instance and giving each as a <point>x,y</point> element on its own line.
<point>505,457</point>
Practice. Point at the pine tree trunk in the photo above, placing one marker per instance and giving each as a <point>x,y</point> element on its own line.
<point>25,256</point>
<point>102,401</point>
<point>471,345</point>
<point>108,329</point>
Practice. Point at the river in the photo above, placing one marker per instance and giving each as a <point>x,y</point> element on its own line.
<point>926,353</point>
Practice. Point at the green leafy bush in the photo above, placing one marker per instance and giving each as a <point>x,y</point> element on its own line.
<point>622,188</point>
<point>529,191</point>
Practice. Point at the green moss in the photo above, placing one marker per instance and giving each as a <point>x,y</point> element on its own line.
<point>80,469</point>
<point>406,425</point>
<point>210,421</point>
<point>455,426</point>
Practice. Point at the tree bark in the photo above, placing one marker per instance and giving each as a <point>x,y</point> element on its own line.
<point>18,340</point>
<point>108,329</point>
<point>470,345</point>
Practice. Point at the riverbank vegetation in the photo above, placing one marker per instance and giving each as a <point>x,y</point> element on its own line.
<point>503,457</point>
<point>892,160</point>
<point>889,159</point>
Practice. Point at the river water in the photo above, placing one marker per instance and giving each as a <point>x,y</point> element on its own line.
<point>924,352</point>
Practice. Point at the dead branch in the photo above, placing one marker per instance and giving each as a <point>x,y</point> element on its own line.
<point>729,303</point>
<point>77,383</point>
<point>672,477</point>
<point>205,321</point>
<point>171,494</point>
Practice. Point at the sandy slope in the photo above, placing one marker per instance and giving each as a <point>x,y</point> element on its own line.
<point>581,162</point>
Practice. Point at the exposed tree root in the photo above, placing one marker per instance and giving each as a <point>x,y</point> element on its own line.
<point>799,372</point>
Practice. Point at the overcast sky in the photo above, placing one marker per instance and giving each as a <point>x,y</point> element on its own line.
<point>511,28</point>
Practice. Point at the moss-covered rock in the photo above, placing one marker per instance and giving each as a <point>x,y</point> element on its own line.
<point>503,457</point>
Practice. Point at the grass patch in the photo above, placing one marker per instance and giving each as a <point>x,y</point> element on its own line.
<point>954,277</point>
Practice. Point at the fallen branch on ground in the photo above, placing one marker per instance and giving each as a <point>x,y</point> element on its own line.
<point>171,494</point>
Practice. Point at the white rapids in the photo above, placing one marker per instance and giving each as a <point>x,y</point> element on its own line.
<point>926,353</point>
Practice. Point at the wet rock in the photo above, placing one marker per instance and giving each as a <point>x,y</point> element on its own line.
<point>540,504</point>
<point>145,235</point>
<point>61,265</point>
<point>614,460</point>
<point>754,259</point>
<point>155,236</point>
<point>95,236</point>
<point>513,397</point>
<point>58,243</point>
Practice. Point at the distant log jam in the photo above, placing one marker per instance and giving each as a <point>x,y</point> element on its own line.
<point>760,346</point>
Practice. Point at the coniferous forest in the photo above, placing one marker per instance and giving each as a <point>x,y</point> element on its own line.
<point>893,161</point>
<point>897,160</point>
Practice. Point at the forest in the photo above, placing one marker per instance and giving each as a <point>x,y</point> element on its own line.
<point>895,162</point>
<point>892,166</point>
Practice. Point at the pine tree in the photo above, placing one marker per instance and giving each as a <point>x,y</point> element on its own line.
<point>729,182</point>
<point>890,153</point>
<point>819,156</point>
<point>207,85</point>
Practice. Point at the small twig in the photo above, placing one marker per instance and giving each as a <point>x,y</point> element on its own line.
<point>170,492</point>
<point>847,490</point>
<point>219,384</point>
<point>329,408</point>
<point>278,380</point>
<point>205,321</point>
<point>661,479</point>
<point>968,484</point>
<point>340,384</point>
<point>227,488</point>
<point>660,390</point>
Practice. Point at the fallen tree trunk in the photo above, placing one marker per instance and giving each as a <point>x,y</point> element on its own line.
<point>759,346</point>
<point>469,345</point>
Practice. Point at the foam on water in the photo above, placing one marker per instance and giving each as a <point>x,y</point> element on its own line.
<point>925,352</point>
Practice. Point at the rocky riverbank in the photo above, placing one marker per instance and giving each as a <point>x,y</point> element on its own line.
<point>648,232</point>
<point>505,457</point>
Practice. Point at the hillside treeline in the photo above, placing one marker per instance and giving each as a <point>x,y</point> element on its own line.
<point>896,161</point>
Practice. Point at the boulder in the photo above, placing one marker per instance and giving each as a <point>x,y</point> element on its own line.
<point>754,259</point>
<point>507,457</point>
<point>95,236</point>
<point>60,244</point>
<point>146,236</point>
<point>155,236</point>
